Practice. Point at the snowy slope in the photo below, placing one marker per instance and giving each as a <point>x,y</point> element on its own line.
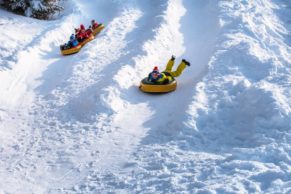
<point>79,124</point>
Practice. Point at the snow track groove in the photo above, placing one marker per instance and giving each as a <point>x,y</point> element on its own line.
<point>34,134</point>
<point>149,109</point>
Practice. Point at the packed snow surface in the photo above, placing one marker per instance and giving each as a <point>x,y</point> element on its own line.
<point>79,124</point>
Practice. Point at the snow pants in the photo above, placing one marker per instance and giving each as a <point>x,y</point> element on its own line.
<point>179,69</point>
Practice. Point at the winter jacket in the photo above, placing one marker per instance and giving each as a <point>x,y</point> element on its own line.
<point>162,78</point>
<point>74,43</point>
<point>95,25</point>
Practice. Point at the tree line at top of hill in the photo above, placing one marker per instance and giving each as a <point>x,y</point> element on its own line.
<point>40,9</point>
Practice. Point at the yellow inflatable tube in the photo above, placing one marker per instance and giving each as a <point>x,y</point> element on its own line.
<point>76,49</point>
<point>150,87</point>
<point>98,29</point>
<point>72,50</point>
<point>90,38</point>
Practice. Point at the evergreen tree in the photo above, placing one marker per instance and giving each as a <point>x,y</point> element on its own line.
<point>41,9</point>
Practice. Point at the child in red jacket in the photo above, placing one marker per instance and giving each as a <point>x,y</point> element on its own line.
<point>81,34</point>
<point>94,24</point>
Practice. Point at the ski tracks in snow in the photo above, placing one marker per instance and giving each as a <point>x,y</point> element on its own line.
<point>87,125</point>
<point>138,116</point>
<point>40,151</point>
<point>60,146</point>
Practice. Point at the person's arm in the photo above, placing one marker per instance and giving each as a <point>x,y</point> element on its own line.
<point>149,77</point>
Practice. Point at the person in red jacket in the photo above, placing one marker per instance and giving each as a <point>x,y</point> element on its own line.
<point>81,33</point>
<point>86,32</point>
<point>94,24</point>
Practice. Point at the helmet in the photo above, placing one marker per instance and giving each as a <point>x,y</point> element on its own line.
<point>156,68</point>
<point>93,21</point>
<point>82,27</point>
<point>72,37</point>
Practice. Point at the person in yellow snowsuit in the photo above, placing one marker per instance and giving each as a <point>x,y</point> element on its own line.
<point>168,75</point>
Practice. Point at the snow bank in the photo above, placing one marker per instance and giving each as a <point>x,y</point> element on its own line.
<point>242,106</point>
<point>248,84</point>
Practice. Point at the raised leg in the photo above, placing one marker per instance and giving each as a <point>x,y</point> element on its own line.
<point>179,70</point>
<point>170,65</point>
